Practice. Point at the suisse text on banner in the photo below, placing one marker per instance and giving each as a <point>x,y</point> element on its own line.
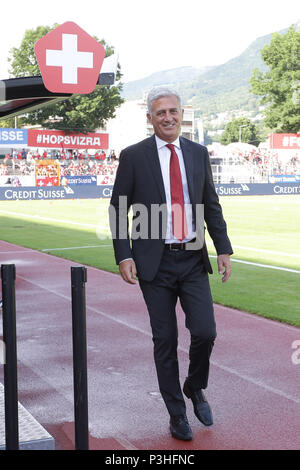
<point>16,138</point>
<point>31,193</point>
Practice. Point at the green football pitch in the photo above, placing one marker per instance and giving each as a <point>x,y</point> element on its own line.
<point>264,231</point>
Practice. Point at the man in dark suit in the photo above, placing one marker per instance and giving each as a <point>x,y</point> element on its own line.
<point>167,181</point>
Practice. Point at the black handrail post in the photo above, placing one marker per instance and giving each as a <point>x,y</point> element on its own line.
<point>8,276</point>
<point>78,280</point>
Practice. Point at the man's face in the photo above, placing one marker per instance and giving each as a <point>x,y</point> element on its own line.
<point>166,118</point>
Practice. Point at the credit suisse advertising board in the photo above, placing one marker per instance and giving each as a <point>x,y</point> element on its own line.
<point>92,191</point>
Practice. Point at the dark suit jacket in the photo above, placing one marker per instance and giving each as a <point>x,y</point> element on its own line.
<point>139,178</point>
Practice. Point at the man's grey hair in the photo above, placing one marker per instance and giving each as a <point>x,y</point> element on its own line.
<point>160,92</point>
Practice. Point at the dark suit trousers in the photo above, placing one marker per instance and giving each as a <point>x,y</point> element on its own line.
<point>181,275</point>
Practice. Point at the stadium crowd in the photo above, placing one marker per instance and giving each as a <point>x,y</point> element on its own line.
<point>88,168</point>
<point>72,162</point>
<point>258,163</point>
<point>55,154</point>
<point>3,169</point>
<point>269,161</point>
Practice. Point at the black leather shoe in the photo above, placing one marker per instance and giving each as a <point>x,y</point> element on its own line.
<point>201,407</point>
<point>180,428</point>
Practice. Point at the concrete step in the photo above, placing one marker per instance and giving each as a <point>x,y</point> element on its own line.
<point>32,435</point>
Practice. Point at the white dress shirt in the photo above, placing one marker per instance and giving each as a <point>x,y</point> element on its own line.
<point>164,154</point>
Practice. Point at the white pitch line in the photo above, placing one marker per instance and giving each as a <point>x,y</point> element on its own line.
<point>212,256</point>
<point>48,219</point>
<point>74,247</point>
<point>95,226</point>
<point>269,266</point>
<point>108,273</point>
<point>262,250</point>
<point>65,221</point>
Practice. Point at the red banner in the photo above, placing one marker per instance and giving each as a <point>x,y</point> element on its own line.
<point>59,140</point>
<point>285,141</point>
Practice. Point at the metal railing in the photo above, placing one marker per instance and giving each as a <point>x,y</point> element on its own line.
<point>78,281</point>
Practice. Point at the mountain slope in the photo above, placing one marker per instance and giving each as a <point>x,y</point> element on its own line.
<point>226,87</point>
<point>210,90</point>
<point>172,77</point>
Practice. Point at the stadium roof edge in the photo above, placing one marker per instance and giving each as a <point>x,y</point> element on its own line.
<point>25,94</point>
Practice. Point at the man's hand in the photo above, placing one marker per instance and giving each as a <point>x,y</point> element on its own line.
<point>224,262</point>
<point>128,270</point>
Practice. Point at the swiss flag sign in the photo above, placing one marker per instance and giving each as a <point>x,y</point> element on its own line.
<point>69,59</point>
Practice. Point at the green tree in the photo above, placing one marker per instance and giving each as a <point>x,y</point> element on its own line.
<point>280,85</point>
<point>240,129</point>
<point>80,112</point>
<point>9,122</point>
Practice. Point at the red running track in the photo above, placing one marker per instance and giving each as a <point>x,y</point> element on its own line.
<point>253,389</point>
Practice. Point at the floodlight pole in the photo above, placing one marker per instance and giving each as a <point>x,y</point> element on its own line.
<point>240,131</point>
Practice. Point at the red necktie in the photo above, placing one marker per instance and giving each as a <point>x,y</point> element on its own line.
<point>177,199</point>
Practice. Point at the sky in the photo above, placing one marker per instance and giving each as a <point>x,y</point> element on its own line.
<point>154,35</point>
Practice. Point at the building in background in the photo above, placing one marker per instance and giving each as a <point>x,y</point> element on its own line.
<point>131,125</point>
<point>200,131</point>
<point>128,126</point>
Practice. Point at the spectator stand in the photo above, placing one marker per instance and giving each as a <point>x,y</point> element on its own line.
<point>244,163</point>
<point>34,166</point>
<point>234,163</point>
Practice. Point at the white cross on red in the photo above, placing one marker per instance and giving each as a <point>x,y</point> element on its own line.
<point>69,58</point>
